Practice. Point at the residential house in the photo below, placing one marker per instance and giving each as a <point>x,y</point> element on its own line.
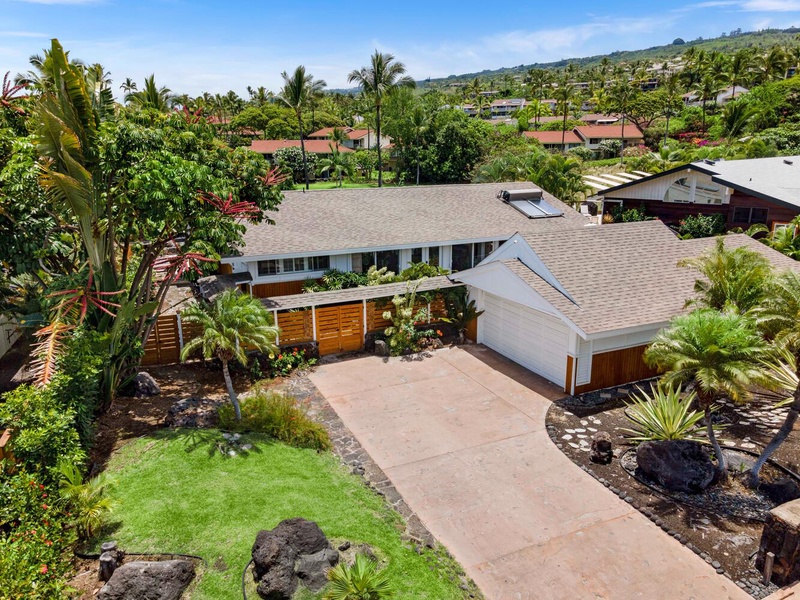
<point>268,147</point>
<point>503,108</point>
<point>580,306</point>
<point>599,119</point>
<point>594,135</point>
<point>723,97</point>
<point>357,139</point>
<point>745,192</point>
<point>454,226</point>
<point>552,140</point>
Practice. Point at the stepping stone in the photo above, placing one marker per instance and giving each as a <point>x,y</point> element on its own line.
<point>592,429</point>
<point>580,431</point>
<point>728,443</point>
<point>606,396</point>
<point>584,443</point>
<point>582,437</point>
<point>566,412</point>
<point>584,422</point>
<point>597,422</point>
<point>748,445</point>
<point>566,437</point>
<point>573,445</point>
<point>584,449</point>
<point>570,430</point>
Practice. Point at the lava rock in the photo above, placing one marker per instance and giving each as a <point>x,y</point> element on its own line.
<point>781,491</point>
<point>277,551</point>
<point>602,451</point>
<point>148,580</point>
<point>312,569</point>
<point>678,465</point>
<point>144,385</point>
<point>381,348</point>
<point>193,412</point>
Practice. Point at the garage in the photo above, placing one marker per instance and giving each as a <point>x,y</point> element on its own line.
<point>531,338</point>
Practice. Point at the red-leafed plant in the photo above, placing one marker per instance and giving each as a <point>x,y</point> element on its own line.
<point>231,208</point>
<point>9,92</point>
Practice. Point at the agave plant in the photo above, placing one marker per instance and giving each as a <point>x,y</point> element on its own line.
<point>88,501</point>
<point>661,414</point>
<point>361,581</point>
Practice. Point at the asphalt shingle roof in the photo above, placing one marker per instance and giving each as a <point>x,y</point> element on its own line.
<point>623,275</point>
<point>322,221</point>
<point>776,177</point>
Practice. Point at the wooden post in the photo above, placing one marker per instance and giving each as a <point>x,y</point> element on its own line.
<point>364,318</point>
<point>314,321</point>
<point>769,563</point>
<point>779,551</point>
<point>180,332</point>
<point>275,317</point>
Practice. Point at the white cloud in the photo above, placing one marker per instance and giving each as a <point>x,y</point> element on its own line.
<point>61,1</point>
<point>23,34</point>
<point>770,5</point>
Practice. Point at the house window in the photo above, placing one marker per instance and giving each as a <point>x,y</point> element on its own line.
<point>319,263</point>
<point>680,191</point>
<point>595,140</point>
<point>416,255</point>
<point>744,214</point>
<point>389,259</point>
<point>433,256</point>
<point>268,267</point>
<point>481,251</point>
<point>462,257</point>
<point>367,260</point>
<point>290,265</point>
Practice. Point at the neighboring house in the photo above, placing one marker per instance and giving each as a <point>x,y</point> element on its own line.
<point>745,192</point>
<point>725,96</point>
<point>357,139</point>
<point>470,109</point>
<point>549,103</point>
<point>593,135</point>
<point>599,119</point>
<point>551,140</point>
<point>269,147</point>
<point>579,307</point>
<point>453,226</point>
<point>506,107</point>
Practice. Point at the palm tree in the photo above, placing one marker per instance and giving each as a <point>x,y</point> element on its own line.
<point>376,81</point>
<point>621,95</point>
<point>338,162</point>
<point>338,136</point>
<point>564,95</point>
<point>717,351</point>
<point>671,89</point>
<point>732,280</point>
<point>538,79</point>
<point>772,65</point>
<point>419,122</point>
<point>778,318</point>
<point>296,93</point>
<point>738,69</point>
<point>708,89</point>
<point>231,323</point>
<point>151,96</point>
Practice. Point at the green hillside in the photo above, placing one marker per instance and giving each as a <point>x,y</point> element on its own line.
<point>726,44</point>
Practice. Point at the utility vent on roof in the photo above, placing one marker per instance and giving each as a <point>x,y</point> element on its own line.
<point>530,203</point>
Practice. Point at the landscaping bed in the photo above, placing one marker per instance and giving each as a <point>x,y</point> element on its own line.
<point>722,526</point>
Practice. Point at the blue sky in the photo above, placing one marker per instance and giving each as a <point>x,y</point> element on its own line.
<point>211,45</point>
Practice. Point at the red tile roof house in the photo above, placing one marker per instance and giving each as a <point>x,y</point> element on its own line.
<point>745,192</point>
<point>268,147</point>
<point>357,139</point>
<point>551,140</point>
<point>593,135</point>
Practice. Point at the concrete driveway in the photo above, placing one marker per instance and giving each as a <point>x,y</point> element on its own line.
<point>462,437</point>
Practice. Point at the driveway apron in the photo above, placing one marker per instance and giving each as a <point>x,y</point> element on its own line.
<point>461,435</point>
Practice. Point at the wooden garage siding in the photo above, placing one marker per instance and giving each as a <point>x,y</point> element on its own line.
<point>616,368</point>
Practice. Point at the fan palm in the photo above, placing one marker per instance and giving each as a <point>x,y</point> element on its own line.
<point>717,351</point>
<point>231,323</point>
<point>376,81</point>
<point>732,280</point>
<point>150,96</point>
<point>361,581</point>
<point>88,501</point>
<point>337,162</point>
<point>296,94</point>
<point>778,317</point>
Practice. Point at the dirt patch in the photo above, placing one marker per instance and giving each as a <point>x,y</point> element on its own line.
<point>727,543</point>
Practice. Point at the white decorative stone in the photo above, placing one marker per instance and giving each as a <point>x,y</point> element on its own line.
<point>566,437</point>
<point>573,445</point>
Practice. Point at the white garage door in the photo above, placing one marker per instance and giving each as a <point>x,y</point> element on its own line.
<point>533,339</point>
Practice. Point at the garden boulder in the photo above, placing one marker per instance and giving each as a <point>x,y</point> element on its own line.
<point>678,465</point>
<point>144,385</point>
<point>295,550</point>
<point>148,580</point>
<point>602,448</point>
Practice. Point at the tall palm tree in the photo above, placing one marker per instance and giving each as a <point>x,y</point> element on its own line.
<point>151,96</point>
<point>376,81</point>
<point>337,162</point>
<point>231,323</point>
<point>538,79</point>
<point>295,93</point>
<point>128,86</point>
<point>771,65</point>
<point>671,89</point>
<point>337,136</point>
<point>564,95</point>
<point>737,72</point>
<point>708,89</point>
<point>620,99</point>
<point>420,121</point>
<point>719,352</point>
<point>778,318</point>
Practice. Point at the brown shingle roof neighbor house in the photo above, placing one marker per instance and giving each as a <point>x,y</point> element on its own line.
<point>609,132</point>
<point>554,137</point>
<point>268,147</point>
<point>340,220</point>
<point>325,133</point>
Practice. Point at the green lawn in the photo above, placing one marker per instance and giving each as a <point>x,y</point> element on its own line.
<point>178,494</point>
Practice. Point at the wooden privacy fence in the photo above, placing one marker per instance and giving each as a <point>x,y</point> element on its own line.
<point>167,339</point>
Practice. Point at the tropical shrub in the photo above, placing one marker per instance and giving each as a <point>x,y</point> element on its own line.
<point>402,335</point>
<point>661,414</point>
<point>88,502</point>
<point>278,416</point>
<point>582,152</point>
<point>334,279</point>
<point>43,430</point>
<point>360,581</point>
<point>629,215</point>
<point>34,538</point>
<point>284,362</point>
<point>421,270</point>
<point>290,159</point>
<point>460,311</point>
<point>609,148</point>
<point>700,226</point>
